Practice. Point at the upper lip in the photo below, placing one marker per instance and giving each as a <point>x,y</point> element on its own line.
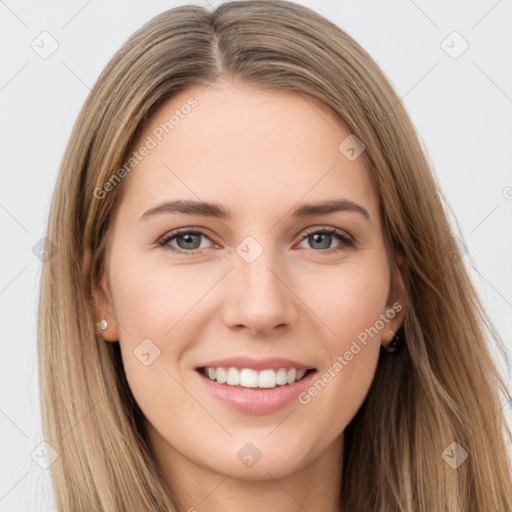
<point>255,364</point>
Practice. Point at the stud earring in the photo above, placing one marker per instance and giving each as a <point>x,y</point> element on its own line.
<point>102,326</point>
<point>394,345</point>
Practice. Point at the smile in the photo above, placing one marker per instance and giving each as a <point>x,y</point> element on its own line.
<point>250,378</point>
<point>255,386</point>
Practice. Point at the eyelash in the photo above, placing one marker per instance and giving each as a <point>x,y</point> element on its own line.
<point>340,235</point>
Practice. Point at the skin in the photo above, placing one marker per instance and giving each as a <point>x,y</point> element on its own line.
<point>260,153</point>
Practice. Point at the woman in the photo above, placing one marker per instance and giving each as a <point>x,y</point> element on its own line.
<point>256,369</point>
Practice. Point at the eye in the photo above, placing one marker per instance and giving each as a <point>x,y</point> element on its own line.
<point>186,239</point>
<point>322,238</point>
<point>189,241</point>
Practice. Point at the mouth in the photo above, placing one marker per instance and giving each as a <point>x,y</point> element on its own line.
<point>249,378</point>
<point>255,386</point>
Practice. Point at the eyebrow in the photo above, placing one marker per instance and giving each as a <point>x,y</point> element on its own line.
<point>218,211</point>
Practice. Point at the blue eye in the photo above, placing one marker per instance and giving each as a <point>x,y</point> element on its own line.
<point>326,235</point>
<point>189,241</point>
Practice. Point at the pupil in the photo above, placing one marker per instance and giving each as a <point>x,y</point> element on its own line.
<point>325,246</point>
<point>188,240</point>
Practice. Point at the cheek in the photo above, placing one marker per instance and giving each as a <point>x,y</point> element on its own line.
<point>352,306</point>
<point>151,304</point>
<point>150,299</point>
<point>351,300</point>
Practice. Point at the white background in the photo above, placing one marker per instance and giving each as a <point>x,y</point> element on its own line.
<point>462,108</point>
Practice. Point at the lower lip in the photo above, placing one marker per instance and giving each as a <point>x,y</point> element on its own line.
<point>257,400</point>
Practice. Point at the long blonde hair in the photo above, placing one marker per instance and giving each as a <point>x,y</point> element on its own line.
<point>442,389</point>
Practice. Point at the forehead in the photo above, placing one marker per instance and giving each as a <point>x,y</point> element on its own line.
<point>245,147</point>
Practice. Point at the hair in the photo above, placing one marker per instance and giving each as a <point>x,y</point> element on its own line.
<point>441,388</point>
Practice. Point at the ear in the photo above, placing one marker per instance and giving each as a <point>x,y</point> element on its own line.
<point>103,305</point>
<point>396,299</point>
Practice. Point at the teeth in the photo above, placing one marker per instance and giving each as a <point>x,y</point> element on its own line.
<point>221,375</point>
<point>292,373</point>
<point>281,376</point>
<point>267,379</point>
<point>233,377</point>
<point>249,378</point>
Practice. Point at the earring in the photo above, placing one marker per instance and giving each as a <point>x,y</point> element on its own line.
<point>394,345</point>
<point>102,326</point>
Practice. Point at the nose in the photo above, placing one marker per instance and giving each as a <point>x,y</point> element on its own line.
<point>259,299</point>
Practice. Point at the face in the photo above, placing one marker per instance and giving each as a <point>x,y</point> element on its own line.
<point>265,281</point>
